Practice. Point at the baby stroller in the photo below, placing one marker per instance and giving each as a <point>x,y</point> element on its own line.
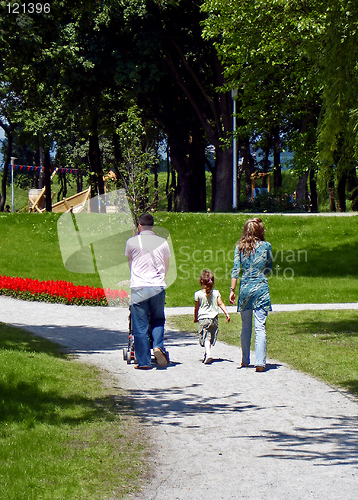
<point>129,351</point>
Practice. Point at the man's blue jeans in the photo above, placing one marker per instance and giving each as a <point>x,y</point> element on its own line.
<point>260,336</point>
<point>147,309</point>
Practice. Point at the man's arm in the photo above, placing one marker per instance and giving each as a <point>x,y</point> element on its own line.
<point>166,265</point>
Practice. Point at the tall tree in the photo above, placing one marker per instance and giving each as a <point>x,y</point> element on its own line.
<point>263,56</point>
<point>312,47</point>
<point>194,66</point>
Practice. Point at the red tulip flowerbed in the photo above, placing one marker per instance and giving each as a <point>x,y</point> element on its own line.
<point>61,292</point>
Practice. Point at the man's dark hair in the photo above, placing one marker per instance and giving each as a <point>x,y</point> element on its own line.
<point>146,220</point>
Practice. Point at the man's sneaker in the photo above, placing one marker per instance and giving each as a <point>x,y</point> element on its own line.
<point>160,357</point>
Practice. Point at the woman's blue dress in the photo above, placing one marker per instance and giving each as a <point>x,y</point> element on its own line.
<point>254,290</point>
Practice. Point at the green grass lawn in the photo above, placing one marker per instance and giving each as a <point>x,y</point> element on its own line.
<point>30,248</point>
<point>64,434</point>
<point>315,258</point>
<point>323,344</point>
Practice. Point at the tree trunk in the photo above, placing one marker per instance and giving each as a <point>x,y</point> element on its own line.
<point>196,171</point>
<point>341,192</point>
<point>215,115</point>
<point>94,158</point>
<point>223,180</point>
<point>248,167</point>
<point>47,176</point>
<point>277,177</point>
<point>6,169</point>
<point>41,178</point>
<point>144,196</point>
<point>332,198</point>
<point>313,190</point>
<point>63,189</point>
<point>301,192</point>
<point>239,177</point>
<point>169,186</point>
<point>265,166</point>
<point>156,187</point>
<point>188,160</point>
<point>352,184</point>
<point>189,195</point>
<point>79,180</point>
<point>118,158</point>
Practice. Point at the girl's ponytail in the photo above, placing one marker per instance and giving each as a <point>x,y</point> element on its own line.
<point>207,280</point>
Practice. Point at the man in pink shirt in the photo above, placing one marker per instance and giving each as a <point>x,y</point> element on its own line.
<point>148,258</point>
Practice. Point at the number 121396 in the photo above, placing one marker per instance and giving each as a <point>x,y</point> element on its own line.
<point>28,8</point>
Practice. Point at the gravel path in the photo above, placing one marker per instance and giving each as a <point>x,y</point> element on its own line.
<point>217,431</point>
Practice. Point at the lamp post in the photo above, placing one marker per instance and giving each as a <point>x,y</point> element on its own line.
<point>234,150</point>
<point>12,184</point>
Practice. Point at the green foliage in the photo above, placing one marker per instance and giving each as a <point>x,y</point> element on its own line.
<point>62,434</point>
<point>338,127</point>
<point>136,160</point>
<point>323,344</point>
<point>276,202</point>
<point>262,52</point>
<point>294,64</point>
<point>68,76</point>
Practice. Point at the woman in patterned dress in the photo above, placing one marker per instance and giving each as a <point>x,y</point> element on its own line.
<point>254,256</point>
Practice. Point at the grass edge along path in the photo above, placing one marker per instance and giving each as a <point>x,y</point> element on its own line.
<point>66,430</point>
<point>323,344</point>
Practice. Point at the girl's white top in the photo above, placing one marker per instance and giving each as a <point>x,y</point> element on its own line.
<point>208,304</point>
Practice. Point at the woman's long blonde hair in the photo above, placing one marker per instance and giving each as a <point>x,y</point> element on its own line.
<point>253,232</point>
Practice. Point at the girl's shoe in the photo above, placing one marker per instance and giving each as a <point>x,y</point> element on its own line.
<point>244,365</point>
<point>207,359</point>
<point>260,369</point>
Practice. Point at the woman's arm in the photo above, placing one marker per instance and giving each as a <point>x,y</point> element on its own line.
<point>232,290</point>
<point>234,275</point>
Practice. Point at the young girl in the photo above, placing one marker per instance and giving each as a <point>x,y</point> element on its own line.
<point>207,301</point>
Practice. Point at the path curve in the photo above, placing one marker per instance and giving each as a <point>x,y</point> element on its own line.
<point>217,431</point>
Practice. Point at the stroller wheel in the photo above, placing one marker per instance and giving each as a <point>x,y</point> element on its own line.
<point>129,357</point>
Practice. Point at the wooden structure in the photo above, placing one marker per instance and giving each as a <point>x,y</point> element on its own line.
<point>259,175</point>
<point>75,203</point>
<point>37,199</point>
